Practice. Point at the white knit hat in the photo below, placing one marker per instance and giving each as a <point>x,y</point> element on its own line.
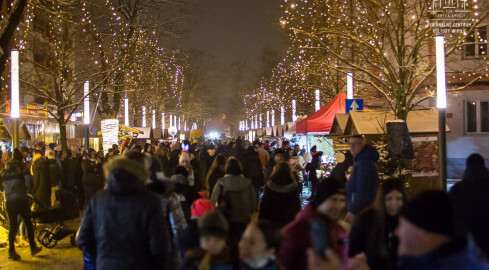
<point>184,157</point>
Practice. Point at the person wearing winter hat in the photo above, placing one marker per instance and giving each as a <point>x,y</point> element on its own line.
<point>16,181</point>
<point>189,237</point>
<point>185,193</point>
<point>213,252</point>
<point>427,238</point>
<point>327,205</point>
<point>184,161</point>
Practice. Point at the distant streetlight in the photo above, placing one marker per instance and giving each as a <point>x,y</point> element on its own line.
<point>144,116</point>
<point>282,115</point>
<point>349,85</point>
<point>294,110</point>
<point>318,100</point>
<point>86,112</point>
<point>441,103</point>
<point>126,111</point>
<point>268,119</point>
<point>153,125</point>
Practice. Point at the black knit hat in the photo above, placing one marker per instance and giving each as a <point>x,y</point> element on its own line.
<point>431,211</point>
<point>327,188</point>
<point>181,170</point>
<point>213,223</point>
<point>17,155</point>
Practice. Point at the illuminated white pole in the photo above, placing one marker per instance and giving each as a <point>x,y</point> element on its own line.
<point>144,116</point>
<point>261,120</point>
<point>14,95</point>
<point>246,124</point>
<point>185,125</point>
<point>179,123</point>
<point>318,102</point>
<point>441,103</point>
<point>163,124</point>
<point>349,85</point>
<point>171,120</point>
<point>294,110</point>
<point>252,123</point>
<point>86,112</point>
<point>153,125</point>
<point>268,119</point>
<point>282,115</point>
<point>256,121</point>
<point>273,117</point>
<point>126,111</point>
<point>175,121</point>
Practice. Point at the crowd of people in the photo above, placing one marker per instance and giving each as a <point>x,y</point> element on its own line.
<point>239,205</point>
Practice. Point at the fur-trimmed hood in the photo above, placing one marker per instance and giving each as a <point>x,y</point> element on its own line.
<point>124,175</point>
<point>291,187</point>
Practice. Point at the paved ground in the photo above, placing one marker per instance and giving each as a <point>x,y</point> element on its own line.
<point>63,256</point>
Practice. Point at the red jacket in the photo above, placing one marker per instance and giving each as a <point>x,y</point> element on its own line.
<point>297,239</point>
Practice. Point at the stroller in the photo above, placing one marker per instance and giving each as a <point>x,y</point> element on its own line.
<point>67,210</point>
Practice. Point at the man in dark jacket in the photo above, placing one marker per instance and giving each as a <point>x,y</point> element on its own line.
<point>41,185</point>
<point>364,180</point>
<point>471,202</point>
<point>124,226</point>
<point>93,179</point>
<point>16,179</point>
<point>427,238</point>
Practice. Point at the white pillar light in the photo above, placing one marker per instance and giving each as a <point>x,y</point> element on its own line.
<point>246,124</point>
<point>273,118</point>
<point>256,121</point>
<point>318,102</point>
<point>144,116</point>
<point>294,110</point>
<point>14,87</point>
<point>153,125</point>
<point>349,85</point>
<point>441,91</point>
<point>126,111</point>
<point>268,119</point>
<point>185,125</point>
<point>261,120</point>
<point>171,120</point>
<point>175,121</point>
<point>179,123</point>
<point>282,115</point>
<point>163,124</point>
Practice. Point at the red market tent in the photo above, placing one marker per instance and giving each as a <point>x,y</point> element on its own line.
<point>322,120</point>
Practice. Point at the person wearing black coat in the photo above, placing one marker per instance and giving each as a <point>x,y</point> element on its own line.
<point>185,193</point>
<point>93,180</point>
<point>215,172</point>
<point>124,226</point>
<point>16,182</point>
<point>252,169</point>
<point>280,202</point>
<point>313,168</point>
<point>471,202</point>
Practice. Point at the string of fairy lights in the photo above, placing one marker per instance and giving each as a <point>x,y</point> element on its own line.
<point>330,38</point>
<point>128,47</point>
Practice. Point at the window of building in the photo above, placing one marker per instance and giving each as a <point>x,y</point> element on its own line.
<point>476,43</point>
<point>477,116</point>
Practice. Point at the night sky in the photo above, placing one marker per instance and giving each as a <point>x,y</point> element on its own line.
<point>233,29</point>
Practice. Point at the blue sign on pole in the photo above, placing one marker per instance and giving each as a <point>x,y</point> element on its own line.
<point>354,105</point>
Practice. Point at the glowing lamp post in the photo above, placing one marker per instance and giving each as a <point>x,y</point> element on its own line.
<point>126,112</point>
<point>268,119</point>
<point>294,110</point>
<point>282,115</point>
<point>261,120</point>
<point>14,95</point>
<point>144,116</point>
<point>318,101</point>
<point>441,104</point>
<point>171,120</point>
<point>349,85</point>
<point>86,112</point>
<point>273,118</point>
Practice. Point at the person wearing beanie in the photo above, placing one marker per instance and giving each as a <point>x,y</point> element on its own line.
<point>327,205</point>
<point>16,181</point>
<point>427,238</point>
<point>185,193</point>
<point>278,156</point>
<point>372,232</point>
<point>189,237</point>
<point>471,202</point>
<point>280,202</point>
<point>124,225</point>
<point>212,252</point>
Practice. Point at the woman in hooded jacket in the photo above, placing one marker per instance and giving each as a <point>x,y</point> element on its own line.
<point>280,202</point>
<point>215,172</point>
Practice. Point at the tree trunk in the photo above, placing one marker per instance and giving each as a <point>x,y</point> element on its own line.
<point>62,134</point>
<point>9,31</point>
